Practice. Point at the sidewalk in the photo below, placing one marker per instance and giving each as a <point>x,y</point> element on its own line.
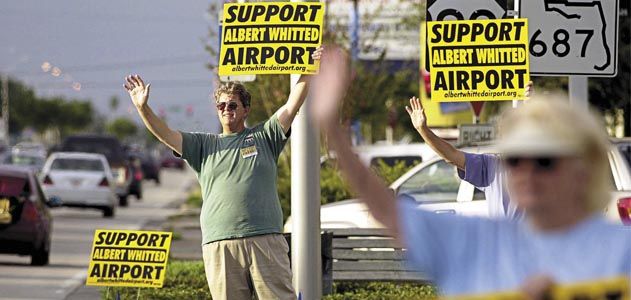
<point>188,241</point>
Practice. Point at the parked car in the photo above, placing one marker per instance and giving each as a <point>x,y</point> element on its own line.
<point>25,220</point>
<point>80,180</point>
<point>411,154</point>
<point>436,187</point>
<point>370,155</point>
<point>111,148</point>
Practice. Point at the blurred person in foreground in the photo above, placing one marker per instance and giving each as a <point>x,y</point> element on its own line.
<point>484,171</point>
<point>555,157</point>
<point>245,254</point>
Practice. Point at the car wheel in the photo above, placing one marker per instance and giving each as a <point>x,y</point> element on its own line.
<point>122,200</point>
<point>108,212</point>
<point>40,255</point>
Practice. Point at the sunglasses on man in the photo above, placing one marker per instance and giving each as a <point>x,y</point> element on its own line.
<point>540,163</point>
<point>232,106</point>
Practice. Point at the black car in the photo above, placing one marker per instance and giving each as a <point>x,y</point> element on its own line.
<point>25,220</point>
<point>113,150</point>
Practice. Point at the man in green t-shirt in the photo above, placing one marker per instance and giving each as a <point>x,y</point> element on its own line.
<point>244,251</point>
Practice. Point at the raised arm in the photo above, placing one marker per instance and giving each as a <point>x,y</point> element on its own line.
<point>330,86</point>
<point>287,113</point>
<point>440,146</point>
<point>139,93</point>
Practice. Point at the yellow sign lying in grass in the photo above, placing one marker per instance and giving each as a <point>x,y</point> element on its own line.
<point>609,289</point>
<point>129,258</point>
<point>270,38</point>
<point>478,60</point>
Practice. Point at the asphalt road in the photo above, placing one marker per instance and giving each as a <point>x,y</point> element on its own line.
<point>73,231</point>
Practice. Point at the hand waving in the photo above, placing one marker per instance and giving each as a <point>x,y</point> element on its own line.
<point>417,113</point>
<point>317,54</point>
<point>138,91</point>
<point>529,90</point>
<point>329,86</point>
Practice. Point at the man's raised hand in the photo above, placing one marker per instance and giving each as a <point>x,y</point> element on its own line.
<point>317,54</point>
<point>138,91</point>
<point>417,113</point>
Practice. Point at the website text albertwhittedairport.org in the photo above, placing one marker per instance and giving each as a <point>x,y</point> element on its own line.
<point>268,68</point>
<point>488,94</point>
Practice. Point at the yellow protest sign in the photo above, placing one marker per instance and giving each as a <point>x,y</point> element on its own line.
<point>613,289</point>
<point>478,60</point>
<point>129,258</point>
<point>270,38</point>
<point>607,289</point>
<point>440,114</point>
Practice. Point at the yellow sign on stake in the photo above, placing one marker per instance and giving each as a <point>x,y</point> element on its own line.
<point>129,258</point>
<point>270,38</point>
<point>478,60</point>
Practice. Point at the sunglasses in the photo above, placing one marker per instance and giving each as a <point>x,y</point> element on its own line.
<point>231,106</point>
<point>540,163</point>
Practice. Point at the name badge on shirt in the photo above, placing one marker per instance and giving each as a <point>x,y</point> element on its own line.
<point>249,151</point>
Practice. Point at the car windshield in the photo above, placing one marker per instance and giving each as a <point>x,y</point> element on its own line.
<point>75,164</point>
<point>437,182</point>
<point>625,149</point>
<point>11,186</point>
<point>27,160</point>
<point>391,161</point>
<point>109,148</point>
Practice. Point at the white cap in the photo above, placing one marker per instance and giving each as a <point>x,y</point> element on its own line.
<point>531,138</point>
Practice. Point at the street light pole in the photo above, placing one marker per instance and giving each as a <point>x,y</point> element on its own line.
<point>306,254</point>
<point>516,11</point>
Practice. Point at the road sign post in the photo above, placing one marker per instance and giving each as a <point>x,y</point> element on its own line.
<point>476,107</point>
<point>578,91</point>
<point>306,256</point>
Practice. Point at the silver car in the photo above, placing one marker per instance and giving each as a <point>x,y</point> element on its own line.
<point>435,184</point>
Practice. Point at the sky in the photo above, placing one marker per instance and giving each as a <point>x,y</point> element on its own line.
<point>97,43</point>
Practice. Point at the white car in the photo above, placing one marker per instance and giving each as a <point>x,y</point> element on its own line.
<point>435,184</point>
<point>80,180</point>
<point>370,155</point>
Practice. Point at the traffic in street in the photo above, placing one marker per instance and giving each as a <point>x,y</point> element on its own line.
<point>72,237</point>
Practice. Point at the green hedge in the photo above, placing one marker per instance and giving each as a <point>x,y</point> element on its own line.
<point>186,280</point>
<point>381,291</point>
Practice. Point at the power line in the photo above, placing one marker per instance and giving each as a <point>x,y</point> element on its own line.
<point>118,85</point>
<point>154,62</point>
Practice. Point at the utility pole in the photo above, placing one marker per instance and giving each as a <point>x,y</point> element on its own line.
<point>516,12</point>
<point>306,254</point>
<point>4,131</point>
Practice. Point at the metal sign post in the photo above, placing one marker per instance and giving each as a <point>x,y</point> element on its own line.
<point>306,256</point>
<point>579,91</point>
